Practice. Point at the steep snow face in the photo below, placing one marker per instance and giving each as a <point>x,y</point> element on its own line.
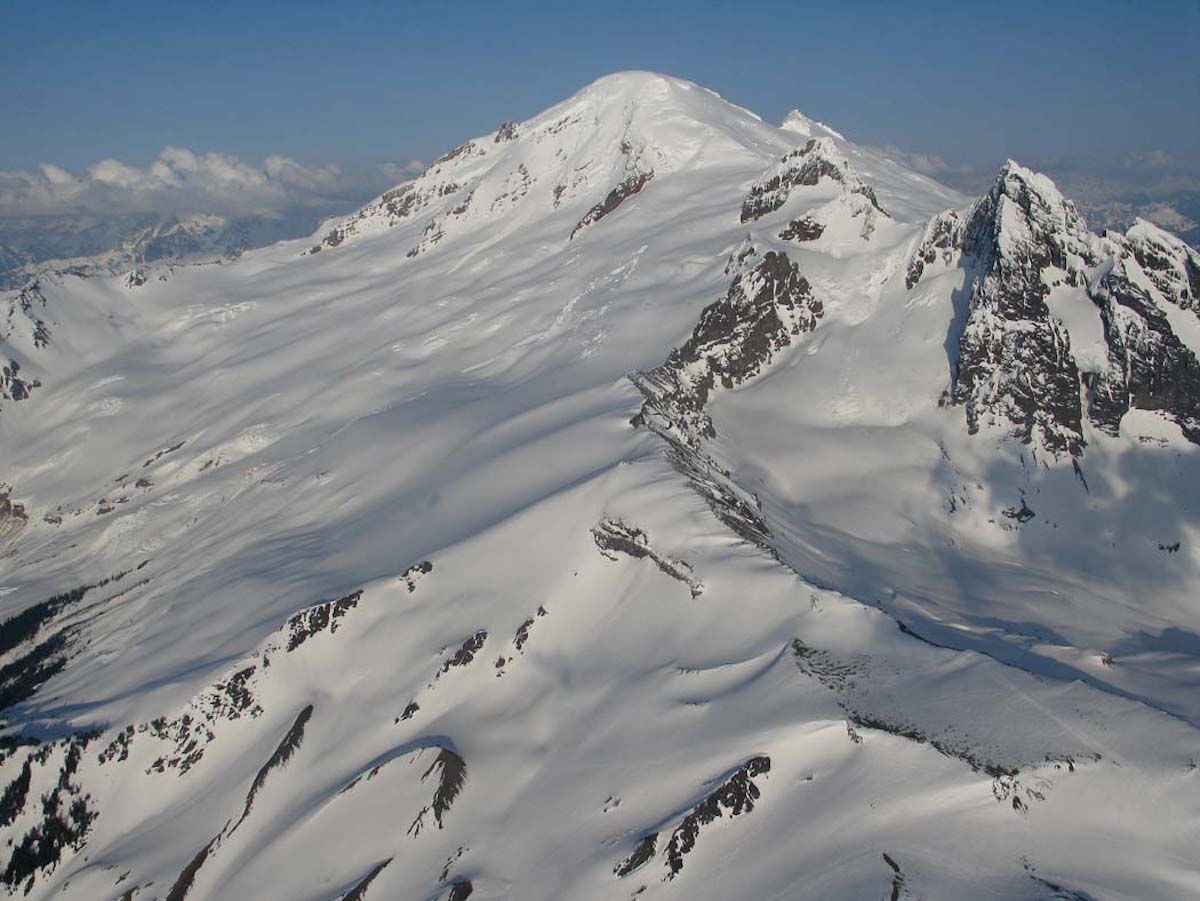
<point>543,530</point>
<point>597,149</point>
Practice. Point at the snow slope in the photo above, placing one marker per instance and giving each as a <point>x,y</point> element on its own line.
<point>361,567</point>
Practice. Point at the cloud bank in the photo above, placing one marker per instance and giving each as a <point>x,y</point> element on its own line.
<point>180,181</point>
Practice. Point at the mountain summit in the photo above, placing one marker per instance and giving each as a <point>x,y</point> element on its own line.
<point>643,501</point>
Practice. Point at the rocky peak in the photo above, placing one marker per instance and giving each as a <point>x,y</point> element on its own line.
<point>819,159</point>
<point>1170,264</point>
<point>1023,243</point>
<point>1025,213</point>
<point>1149,366</point>
<point>1014,367</point>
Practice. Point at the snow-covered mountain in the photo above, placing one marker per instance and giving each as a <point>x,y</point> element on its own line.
<point>644,501</point>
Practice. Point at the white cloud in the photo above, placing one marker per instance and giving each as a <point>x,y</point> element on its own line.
<point>402,171</point>
<point>926,163</point>
<point>181,181</point>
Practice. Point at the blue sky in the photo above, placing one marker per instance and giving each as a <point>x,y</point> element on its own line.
<point>357,83</point>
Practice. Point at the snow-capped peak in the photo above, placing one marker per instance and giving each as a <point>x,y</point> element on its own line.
<point>1020,182</point>
<point>592,150</point>
<point>796,121</point>
<point>818,160</point>
<point>1025,208</point>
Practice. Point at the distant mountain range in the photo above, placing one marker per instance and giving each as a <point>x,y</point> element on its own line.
<point>95,245</point>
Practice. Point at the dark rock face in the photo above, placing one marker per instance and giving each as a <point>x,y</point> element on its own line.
<point>613,536</point>
<point>326,615</point>
<point>283,753</point>
<point>13,386</point>
<point>359,892</point>
<point>65,815</point>
<point>1012,362</point>
<point>734,797</point>
<point>452,776</point>
<point>897,877</point>
<point>465,654</point>
<point>162,453</point>
<point>1149,368</point>
<point>817,159</point>
<point>766,307</point>
<point>183,883</point>
<point>13,519</point>
<point>633,184</point>
<point>23,305</point>
<point>506,132</point>
<point>466,149</point>
<point>399,204</point>
<point>803,229</point>
<point>1014,366</point>
<point>736,337</point>
<point>642,854</point>
<point>942,240</point>
<point>413,574</point>
<point>1171,265</point>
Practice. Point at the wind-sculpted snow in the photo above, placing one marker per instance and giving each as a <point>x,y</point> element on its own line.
<point>411,611</point>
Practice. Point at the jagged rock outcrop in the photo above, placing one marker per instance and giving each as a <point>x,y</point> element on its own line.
<point>807,165</point>
<point>618,195</point>
<point>941,242</point>
<point>1014,367</point>
<point>763,311</point>
<point>1170,265</point>
<point>767,306</point>
<point>735,796</point>
<point>13,386</point>
<point>1013,364</point>
<point>1149,367</point>
<point>613,536</point>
